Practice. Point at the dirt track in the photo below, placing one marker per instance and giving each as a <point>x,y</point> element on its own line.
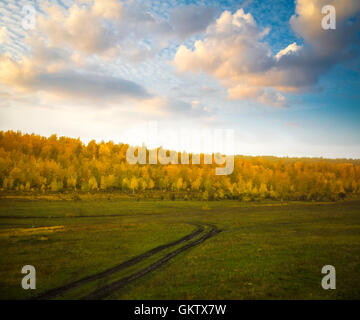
<point>112,287</point>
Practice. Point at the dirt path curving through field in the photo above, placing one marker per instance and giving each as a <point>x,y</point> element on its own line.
<point>133,261</point>
<point>114,286</point>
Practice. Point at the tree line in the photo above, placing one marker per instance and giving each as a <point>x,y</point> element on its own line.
<point>33,163</point>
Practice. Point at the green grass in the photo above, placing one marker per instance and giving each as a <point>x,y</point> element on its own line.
<point>272,250</point>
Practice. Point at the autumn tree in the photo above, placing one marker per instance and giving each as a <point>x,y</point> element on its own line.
<point>56,164</point>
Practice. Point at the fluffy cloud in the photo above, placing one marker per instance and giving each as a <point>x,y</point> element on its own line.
<point>233,50</point>
<point>75,85</point>
<point>307,24</point>
<point>49,72</point>
<point>267,97</point>
<point>110,28</point>
<point>67,43</point>
<point>69,85</point>
<point>64,50</point>
<point>108,9</point>
<point>62,62</point>
<point>188,20</point>
<point>288,50</point>
<point>83,27</point>
<point>231,46</point>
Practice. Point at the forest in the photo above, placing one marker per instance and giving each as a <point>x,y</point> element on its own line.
<point>31,163</point>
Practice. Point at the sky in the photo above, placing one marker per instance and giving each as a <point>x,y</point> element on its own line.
<point>110,69</point>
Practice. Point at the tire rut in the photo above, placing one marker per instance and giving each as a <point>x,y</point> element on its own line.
<point>112,287</point>
<point>63,289</point>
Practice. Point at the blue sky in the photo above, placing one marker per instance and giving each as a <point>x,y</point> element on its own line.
<point>266,69</point>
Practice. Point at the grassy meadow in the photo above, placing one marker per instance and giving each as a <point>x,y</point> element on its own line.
<point>265,250</point>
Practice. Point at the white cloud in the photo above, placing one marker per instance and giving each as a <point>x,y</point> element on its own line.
<point>306,22</point>
<point>234,51</point>
<point>59,82</point>
<point>70,54</point>
<point>291,48</point>
<point>108,9</point>
<point>83,39</point>
<point>112,28</point>
<point>81,27</point>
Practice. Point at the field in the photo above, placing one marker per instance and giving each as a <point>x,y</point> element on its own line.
<point>227,249</point>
